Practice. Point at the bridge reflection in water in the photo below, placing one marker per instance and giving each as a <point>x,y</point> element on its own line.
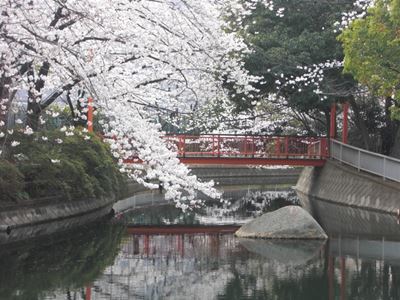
<point>214,266</point>
<point>169,266</point>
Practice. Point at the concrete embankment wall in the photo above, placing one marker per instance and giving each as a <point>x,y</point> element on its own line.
<point>32,219</point>
<point>23,222</point>
<point>344,185</point>
<point>236,175</point>
<point>18,216</point>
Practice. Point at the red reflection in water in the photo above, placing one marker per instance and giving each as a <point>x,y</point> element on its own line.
<point>184,246</point>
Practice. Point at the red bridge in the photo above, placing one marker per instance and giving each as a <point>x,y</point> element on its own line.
<point>250,149</point>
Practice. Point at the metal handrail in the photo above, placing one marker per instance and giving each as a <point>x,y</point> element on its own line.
<point>385,166</point>
<point>249,146</point>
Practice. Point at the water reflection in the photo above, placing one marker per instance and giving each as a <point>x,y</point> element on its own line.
<point>240,207</point>
<point>340,220</point>
<point>64,262</point>
<point>104,262</point>
<point>199,266</point>
<point>205,267</point>
<point>222,267</point>
<point>356,271</point>
<point>286,252</point>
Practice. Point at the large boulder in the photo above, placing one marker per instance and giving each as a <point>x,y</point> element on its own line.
<point>289,222</point>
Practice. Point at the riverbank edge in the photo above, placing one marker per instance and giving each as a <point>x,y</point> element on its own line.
<point>34,214</point>
<point>344,185</point>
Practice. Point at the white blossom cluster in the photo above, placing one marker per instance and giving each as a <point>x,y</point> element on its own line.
<point>360,11</point>
<point>312,76</point>
<point>130,56</point>
<point>237,11</point>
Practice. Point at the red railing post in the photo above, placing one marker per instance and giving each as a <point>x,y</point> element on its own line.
<point>278,146</point>
<point>90,115</point>
<point>286,146</point>
<point>219,146</point>
<point>253,152</point>
<point>180,145</point>
<point>88,293</point>
<point>265,147</point>
<point>213,145</point>
<point>184,146</point>
<point>332,128</point>
<point>245,145</point>
<point>345,122</point>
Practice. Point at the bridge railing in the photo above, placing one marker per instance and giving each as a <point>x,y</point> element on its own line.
<point>378,164</point>
<point>218,145</point>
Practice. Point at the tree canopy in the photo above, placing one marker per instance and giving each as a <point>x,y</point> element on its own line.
<point>135,58</point>
<point>297,55</point>
<point>372,50</point>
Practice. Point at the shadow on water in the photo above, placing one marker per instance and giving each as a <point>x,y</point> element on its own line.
<point>66,261</point>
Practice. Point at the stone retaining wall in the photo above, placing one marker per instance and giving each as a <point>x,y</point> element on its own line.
<point>346,186</point>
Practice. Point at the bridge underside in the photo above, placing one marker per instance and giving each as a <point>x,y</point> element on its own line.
<point>252,161</point>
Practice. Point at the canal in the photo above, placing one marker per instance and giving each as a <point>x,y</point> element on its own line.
<point>112,259</point>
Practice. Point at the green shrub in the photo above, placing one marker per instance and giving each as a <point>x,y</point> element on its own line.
<point>11,182</point>
<point>75,169</point>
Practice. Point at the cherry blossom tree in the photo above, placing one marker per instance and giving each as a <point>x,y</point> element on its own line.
<point>135,58</point>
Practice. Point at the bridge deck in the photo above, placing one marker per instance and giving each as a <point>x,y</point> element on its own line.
<point>248,149</point>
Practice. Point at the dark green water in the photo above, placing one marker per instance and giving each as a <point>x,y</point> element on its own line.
<point>103,261</point>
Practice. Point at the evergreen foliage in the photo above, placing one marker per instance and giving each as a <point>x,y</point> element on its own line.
<point>74,169</point>
<point>303,37</point>
<point>11,182</point>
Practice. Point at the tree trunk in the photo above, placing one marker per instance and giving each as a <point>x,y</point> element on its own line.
<point>327,114</point>
<point>34,96</point>
<point>395,151</point>
<point>390,133</point>
<point>5,83</point>
<point>360,123</point>
<point>32,119</point>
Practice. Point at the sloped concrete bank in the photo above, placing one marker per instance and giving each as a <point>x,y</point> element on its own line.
<point>35,218</point>
<point>27,220</point>
<point>36,212</point>
<point>344,185</point>
<point>23,232</point>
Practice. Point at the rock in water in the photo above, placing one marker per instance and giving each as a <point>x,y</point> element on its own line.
<point>289,222</point>
<point>286,252</point>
